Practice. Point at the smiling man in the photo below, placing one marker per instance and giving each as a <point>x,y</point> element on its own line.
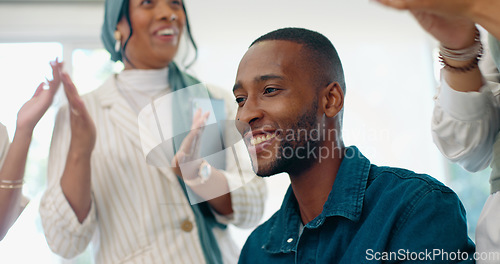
<point>340,208</point>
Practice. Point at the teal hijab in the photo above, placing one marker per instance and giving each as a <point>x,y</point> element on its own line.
<point>112,11</point>
<point>495,49</point>
<point>205,220</point>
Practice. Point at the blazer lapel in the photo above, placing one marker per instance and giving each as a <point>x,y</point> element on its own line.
<point>121,114</point>
<point>124,119</point>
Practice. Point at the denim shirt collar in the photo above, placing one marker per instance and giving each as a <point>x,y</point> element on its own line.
<point>345,200</point>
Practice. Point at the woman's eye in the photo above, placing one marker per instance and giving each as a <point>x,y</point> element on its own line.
<point>177,3</point>
<point>146,2</point>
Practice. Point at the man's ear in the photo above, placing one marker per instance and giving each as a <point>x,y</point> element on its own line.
<point>332,99</point>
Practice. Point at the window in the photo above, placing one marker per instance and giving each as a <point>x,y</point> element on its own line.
<point>26,65</point>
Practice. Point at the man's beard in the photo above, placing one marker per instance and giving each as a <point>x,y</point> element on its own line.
<point>292,155</point>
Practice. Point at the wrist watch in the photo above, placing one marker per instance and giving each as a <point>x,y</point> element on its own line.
<point>204,172</point>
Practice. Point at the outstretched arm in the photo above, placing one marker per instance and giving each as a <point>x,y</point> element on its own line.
<point>12,171</point>
<point>450,23</point>
<point>76,178</point>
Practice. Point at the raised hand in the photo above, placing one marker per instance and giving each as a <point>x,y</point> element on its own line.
<point>482,12</point>
<point>190,148</point>
<point>32,111</point>
<point>459,8</point>
<point>446,20</point>
<point>83,132</point>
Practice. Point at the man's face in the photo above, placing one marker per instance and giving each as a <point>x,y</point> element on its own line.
<point>277,107</point>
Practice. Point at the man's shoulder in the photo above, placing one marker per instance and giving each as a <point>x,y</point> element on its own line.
<point>405,179</point>
<point>404,192</point>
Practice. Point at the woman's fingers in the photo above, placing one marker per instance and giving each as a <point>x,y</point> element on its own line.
<point>190,142</point>
<point>38,90</point>
<point>397,4</point>
<point>76,104</point>
<point>70,89</point>
<point>196,116</point>
<point>56,75</point>
<point>188,150</point>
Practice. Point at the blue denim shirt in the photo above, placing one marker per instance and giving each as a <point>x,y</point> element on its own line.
<point>372,215</point>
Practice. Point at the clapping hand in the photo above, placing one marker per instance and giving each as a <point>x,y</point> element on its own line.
<point>32,111</point>
<point>190,148</point>
<point>83,132</point>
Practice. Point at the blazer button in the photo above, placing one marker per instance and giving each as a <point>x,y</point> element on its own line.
<point>187,225</point>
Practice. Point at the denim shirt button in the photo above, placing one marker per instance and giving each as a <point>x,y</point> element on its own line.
<point>290,240</point>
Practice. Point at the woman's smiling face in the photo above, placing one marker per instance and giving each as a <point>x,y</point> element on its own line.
<point>157,26</point>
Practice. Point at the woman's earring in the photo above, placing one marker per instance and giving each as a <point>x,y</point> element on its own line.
<point>118,42</point>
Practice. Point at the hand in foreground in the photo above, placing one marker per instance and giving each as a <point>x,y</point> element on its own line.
<point>190,148</point>
<point>447,20</point>
<point>83,132</point>
<point>32,111</point>
<point>458,8</point>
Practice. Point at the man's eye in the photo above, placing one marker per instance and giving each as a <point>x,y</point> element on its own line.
<point>240,100</point>
<point>270,90</point>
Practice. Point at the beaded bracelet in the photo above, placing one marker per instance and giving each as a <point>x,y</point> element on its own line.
<point>474,52</point>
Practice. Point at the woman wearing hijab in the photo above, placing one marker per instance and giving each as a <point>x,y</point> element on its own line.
<point>13,155</point>
<point>101,191</point>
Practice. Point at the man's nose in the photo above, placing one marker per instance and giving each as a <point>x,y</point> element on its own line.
<point>250,113</point>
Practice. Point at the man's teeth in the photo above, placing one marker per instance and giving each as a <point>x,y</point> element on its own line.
<point>167,31</point>
<point>259,139</point>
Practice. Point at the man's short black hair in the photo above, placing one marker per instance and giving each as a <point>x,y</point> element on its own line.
<point>324,58</point>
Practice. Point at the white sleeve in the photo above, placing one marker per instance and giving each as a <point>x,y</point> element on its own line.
<point>488,231</point>
<point>65,235</point>
<point>465,124</point>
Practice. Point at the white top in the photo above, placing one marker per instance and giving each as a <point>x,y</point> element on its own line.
<point>139,87</point>
<point>465,126</point>
<point>139,212</point>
